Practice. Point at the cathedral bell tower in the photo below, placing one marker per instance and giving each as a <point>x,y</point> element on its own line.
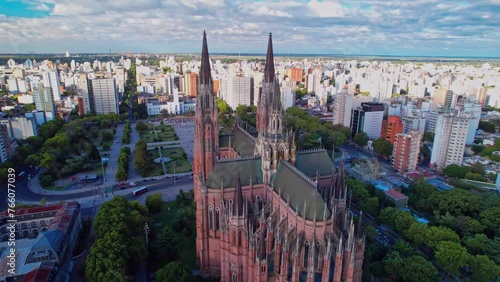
<point>206,142</point>
<point>273,143</point>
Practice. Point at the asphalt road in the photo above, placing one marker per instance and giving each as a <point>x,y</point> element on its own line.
<point>24,194</point>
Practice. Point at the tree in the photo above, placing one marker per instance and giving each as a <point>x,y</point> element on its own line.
<point>361,139</point>
<point>417,269</point>
<point>382,147</point>
<point>457,171</point>
<point>476,244</point>
<point>142,160</point>
<point>46,181</point>
<point>154,202</point>
<point>43,201</point>
<point>487,126</point>
<point>429,136</point>
<point>222,106</point>
<point>478,168</point>
<point>416,233</point>
<point>477,148</point>
<point>166,245</point>
<point>437,234</point>
<point>174,271</point>
<point>475,177</point>
<point>451,256</point>
<point>393,264</point>
<point>141,126</point>
<point>483,269</point>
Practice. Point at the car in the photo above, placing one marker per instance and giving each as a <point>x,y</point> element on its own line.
<point>159,178</point>
<point>122,184</point>
<point>133,183</point>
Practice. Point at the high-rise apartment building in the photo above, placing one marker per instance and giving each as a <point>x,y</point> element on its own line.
<point>295,74</point>
<point>393,126</point>
<point>51,79</point>
<point>239,91</point>
<point>287,93</point>
<point>342,107</point>
<point>4,143</point>
<point>192,84</point>
<point>85,90</point>
<point>405,151</point>
<point>449,140</point>
<point>44,101</point>
<point>473,108</point>
<point>105,95</point>
<point>368,118</point>
<point>20,127</point>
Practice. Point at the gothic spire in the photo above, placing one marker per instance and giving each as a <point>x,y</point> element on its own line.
<point>205,76</point>
<point>269,69</point>
<point>340,181</point>
<point>359,231</point>
<point>238,198</point>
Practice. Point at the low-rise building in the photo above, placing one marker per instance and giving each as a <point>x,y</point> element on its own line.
<point>45,239</point>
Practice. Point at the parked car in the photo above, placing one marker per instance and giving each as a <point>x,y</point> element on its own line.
<point>133,183</point>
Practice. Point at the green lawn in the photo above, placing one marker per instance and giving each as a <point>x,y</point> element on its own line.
<point>164,132</point>
<point>181,164</point>
<point>187,244</point>
<point>155,170</point>
<point>479,184</point>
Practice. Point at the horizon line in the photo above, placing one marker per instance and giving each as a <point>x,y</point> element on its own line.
<point>246,54</point>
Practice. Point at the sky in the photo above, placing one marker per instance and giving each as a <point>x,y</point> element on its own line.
<point>361,27</point>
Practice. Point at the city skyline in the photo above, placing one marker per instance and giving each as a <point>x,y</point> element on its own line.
<point>397,28</point>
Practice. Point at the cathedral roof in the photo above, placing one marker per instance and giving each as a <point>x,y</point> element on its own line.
<point>224,141</point>
<point>225,173</point>
<point>244,143</point>
<point>298,189</point>
<point>309,162</point>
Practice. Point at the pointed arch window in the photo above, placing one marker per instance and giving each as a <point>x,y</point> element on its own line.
<point>316,255</point>
<point>259,203</point>
<point>217,218</point>
<point>306,253</point>
<point>210,218</point>
<point>235,278</point>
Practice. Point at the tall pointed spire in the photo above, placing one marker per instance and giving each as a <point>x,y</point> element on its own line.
<point>269,69</point>
<point>238,198</point>
<point>359,230</point>
<point>205,76</point>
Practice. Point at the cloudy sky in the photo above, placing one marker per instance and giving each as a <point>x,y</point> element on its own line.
<point>364,27</point>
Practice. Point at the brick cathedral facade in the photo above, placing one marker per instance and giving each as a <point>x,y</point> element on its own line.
<point>265,211</point>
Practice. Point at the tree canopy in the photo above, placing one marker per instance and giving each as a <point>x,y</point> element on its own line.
<point>174,271</point>
<point>361,139</point>
<point>383,147</point>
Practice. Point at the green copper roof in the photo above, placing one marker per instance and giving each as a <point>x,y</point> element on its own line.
<point>226,172</point>
<point>297,189</point>
<point>223,141</point>
<point>310,161</point>
<point>244,143</point>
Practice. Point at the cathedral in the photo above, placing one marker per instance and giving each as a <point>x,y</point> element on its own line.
<point>265,211</point>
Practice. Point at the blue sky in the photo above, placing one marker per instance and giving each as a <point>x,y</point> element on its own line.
<point>363,27</point>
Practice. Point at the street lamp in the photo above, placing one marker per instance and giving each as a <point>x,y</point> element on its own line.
<point>102,166</point>
<point>146,232</point>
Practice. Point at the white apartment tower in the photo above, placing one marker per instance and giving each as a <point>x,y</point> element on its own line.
<point>105,96</point>
<point>51,79</point>
<point>85,90</point>
<point>342,105</point>
<point>44,101</point>
<point>239,91</point>
<point>449,141</point>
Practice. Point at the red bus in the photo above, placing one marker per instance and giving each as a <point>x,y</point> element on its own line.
<point>140,191</point>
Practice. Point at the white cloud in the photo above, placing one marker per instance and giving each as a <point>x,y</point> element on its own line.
<point>326,9</point>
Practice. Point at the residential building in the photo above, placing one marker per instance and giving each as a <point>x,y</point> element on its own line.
<point>277,214</point>
<point>5,150</point>
<point>368,118</point>
<point>45,239</point>
<point>405,151</point>
<point>392,127</point>
<point>449,140</point>
<point>51,80</point>
<point>295,74</point>
<point>44,100</point>
<point>105,96</point>
<point>342,105</point>
<point>86,106</point>
<point>287,94</point>
<point>20,127</point>
<point>40,117</point>
<point>239,91</point>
